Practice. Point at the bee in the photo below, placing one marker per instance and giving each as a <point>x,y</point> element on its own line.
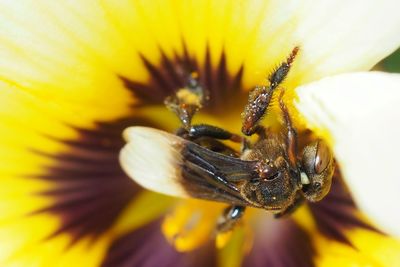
<point>268,174</point>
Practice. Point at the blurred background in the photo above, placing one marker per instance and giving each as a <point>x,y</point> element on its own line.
<point>391,63</point>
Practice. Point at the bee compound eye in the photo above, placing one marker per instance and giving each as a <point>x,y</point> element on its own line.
<point>322,158</point>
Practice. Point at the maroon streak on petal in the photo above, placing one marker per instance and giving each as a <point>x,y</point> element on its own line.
<point>147,247</point>
<point>337,212</point>
<point>280,243</point>
<point>90,190</point>
<point>171,74</point>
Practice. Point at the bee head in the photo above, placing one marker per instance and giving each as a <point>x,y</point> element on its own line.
<point>318,168</point>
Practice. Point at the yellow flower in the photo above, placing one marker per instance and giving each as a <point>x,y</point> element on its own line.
<point>74,74</point>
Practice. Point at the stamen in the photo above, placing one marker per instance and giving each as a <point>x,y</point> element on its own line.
<point>191,224</point>
<point>222,239</point>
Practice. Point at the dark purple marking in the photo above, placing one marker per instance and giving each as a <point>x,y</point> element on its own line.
<point>90,189</point>
<point>281,243</point>
<point>172,74</point>
<point>337,212</point>
<point>147,247</point>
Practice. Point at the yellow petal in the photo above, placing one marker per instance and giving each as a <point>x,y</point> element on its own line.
<point>61,63</point>
<point>72,52</point>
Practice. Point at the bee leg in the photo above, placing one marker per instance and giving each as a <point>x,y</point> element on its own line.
<point>230,218</point>
<point>261,132</point>
<point>260,97</point>
<point>291,136</point>
<point>290,209</point>
<point>206,130</point>
<point>183,132</point>
<point>245,145</point>
<point>201,130</point>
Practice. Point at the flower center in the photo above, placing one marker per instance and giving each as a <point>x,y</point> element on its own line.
<point>188,87</point>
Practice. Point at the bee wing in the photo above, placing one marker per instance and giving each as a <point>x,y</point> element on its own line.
<point>210,175</point>
<point>171,165</point>
<point>234,169</point>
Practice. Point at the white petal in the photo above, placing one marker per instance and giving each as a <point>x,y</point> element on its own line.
<point>361,112</point>
<point>152,159</point>
<point>343,36</point>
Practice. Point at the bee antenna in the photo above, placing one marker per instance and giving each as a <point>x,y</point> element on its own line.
<point>279,75</point>
<point>292,55</point>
